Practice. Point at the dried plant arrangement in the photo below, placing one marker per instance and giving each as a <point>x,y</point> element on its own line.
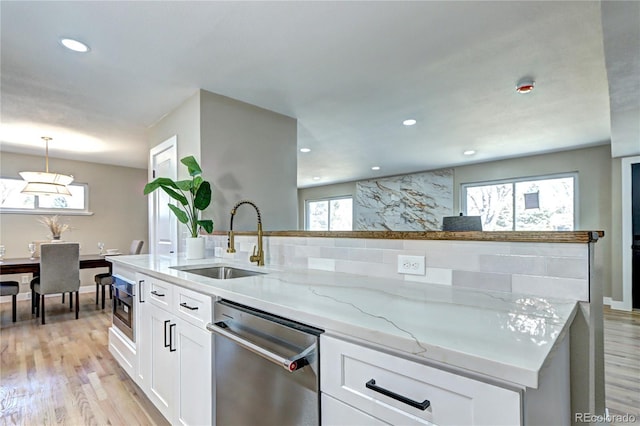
<point>54,225</point>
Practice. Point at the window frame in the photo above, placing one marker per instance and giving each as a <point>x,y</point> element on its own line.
<point>58,211</point>
<point>328,199</point>
<point>513,182</point>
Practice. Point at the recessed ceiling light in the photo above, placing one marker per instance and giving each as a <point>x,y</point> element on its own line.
<point>316,178</point>
<point>525,86</point>
<point>375,168</point>
<point>409,122</point>
<point>305,149</point>
<point>75,45</point>
<point>469,152</point>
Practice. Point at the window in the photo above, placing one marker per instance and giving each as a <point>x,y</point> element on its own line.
<point>332,214</point>
<point>12,200</point>
<point>527,204</point>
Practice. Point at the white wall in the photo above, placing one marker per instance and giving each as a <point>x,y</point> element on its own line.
<point>115,198</point>
<point>249,153</point>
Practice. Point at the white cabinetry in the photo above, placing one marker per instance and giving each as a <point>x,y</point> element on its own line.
<point>394,390</point>
<point>175,351</point>
<point>365,386</point>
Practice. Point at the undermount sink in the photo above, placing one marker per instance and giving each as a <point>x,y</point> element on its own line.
<point>217,272</point>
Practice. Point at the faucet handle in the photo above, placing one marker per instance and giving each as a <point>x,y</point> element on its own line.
<point>254,257</point>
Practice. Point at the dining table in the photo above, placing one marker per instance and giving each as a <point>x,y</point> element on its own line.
<point>27,265</point>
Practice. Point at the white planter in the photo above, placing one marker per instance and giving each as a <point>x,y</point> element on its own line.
<point>195,248</point>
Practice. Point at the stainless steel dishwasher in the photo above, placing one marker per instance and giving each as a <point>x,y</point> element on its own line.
<point>266,369</point>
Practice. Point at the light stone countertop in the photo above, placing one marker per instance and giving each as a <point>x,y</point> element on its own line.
<point>505,336</point>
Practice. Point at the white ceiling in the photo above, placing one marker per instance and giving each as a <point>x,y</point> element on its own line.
<point>349,72</point>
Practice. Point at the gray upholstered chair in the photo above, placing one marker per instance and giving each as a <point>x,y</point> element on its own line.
<point>59,273</point>
<point>105,279</point>
<point>10,288</point>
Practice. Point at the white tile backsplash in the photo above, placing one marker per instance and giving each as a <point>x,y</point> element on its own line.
<point>541,269</point>
<point>322,264</point>
<point>561,288</point>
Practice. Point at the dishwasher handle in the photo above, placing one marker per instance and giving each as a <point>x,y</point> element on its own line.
<point>290,364</point>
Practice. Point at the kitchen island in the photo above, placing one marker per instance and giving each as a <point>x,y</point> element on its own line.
<point>508,341</point>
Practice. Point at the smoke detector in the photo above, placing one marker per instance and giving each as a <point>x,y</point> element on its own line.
<point>525,86</point>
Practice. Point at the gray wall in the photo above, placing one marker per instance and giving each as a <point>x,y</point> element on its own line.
<point>184,123</point>
<point>598,209</point>
<point>115,198</point>
<point>249,153</point>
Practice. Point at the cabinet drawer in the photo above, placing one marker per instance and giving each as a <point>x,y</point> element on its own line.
<point>336,413</point>
<point>376,383</point>
<point>158,292</point>
<point>192,306</point>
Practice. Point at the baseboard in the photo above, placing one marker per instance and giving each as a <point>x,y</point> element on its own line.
<point>616,305</point>
<point>27,295</point>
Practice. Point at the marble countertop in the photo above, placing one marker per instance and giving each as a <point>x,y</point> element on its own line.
<point>501,335</point>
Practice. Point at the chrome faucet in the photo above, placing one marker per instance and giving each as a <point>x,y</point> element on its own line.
<point>255,257</point>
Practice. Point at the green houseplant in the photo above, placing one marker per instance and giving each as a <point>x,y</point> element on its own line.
<point>193,196</point>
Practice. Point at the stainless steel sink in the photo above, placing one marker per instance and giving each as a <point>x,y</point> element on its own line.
<point>217,272</point>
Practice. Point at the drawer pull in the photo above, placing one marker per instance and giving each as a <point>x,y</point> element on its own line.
<point>155,293</point>
<point>371,384</point>
<point>191,308</point>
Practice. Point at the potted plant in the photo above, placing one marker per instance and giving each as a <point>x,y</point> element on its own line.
<point>193,196</point>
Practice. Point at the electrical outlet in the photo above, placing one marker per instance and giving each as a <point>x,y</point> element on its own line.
<point>413,265</point>
<point>25,279</point>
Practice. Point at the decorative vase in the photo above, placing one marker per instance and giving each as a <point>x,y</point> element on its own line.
<point>195,248</point>
<point>56,237</point>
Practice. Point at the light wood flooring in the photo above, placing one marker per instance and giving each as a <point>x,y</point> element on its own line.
<point>622,362</point>
<point>63,373</point>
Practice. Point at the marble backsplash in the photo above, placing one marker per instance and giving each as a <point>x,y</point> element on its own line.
<point>415,202</point>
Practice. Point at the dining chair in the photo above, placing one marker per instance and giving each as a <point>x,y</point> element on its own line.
<point>59,273</point>
<point>105,279</point>
<point>11,288</point>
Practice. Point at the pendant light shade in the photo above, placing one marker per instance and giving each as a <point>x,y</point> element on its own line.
<point>45,183</point>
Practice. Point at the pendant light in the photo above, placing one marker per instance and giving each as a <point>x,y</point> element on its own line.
<point>45,183</point>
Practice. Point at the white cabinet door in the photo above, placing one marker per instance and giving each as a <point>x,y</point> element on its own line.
<point>194,396</point>
<point>162,367</point>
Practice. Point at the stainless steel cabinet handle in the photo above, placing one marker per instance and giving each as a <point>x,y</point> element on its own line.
<point>155,293</point>
<point>290,364</point>
<point>371,384</point>
<point>191,308</point>
<point>140,291</point>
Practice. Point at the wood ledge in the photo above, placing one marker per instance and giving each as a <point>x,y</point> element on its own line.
<point>514,236</point>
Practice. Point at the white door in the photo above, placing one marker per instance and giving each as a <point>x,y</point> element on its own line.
<point>163,225</point>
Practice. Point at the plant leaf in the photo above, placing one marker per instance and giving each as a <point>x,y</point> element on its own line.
<point>203,196</point>
<point>180,214</point>
<point>197,181</point>
<point>175,195</point>
<point>207,224</point>
<point>157,183</point>
<point>184,185</point>
<point>192,165</point>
